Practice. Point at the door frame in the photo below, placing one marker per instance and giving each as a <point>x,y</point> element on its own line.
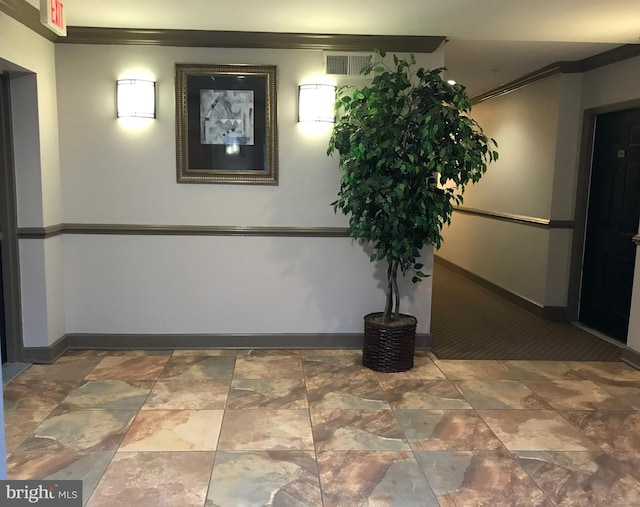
<point>582,199</point>
<point>9,229</point>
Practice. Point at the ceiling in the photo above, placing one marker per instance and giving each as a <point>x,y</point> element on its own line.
<point>490,42</point>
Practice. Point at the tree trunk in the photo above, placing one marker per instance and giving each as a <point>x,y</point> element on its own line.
<point>395,288</point>
<point>386,317</point>
<point>393,296</point>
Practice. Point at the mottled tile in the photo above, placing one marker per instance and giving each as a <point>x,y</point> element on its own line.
<point>628,392</point>
<point>269,353</point>
<point>137,353</point>
<point>540,370</point>
<point>425,394</point>
<point>87,353</point>
<point>366,430</point>
<point>484,478</point>
<point>338,365</point>
<point>435,430</point>
<point>257,430</point>
<point>155,479</point>
<point>359,391</point>
<point>423,368</point>
<point>576,395</point>
<point>535,430</point>
<point>357,353</point>
<point>174,430</point>
<point>69,361</point>
<point>63,465</point>
<point>65,369</point>
<point>500,394</point>
<point>36,394</point>
<point>128,368</point>
<point>268,364</point>
<point>79,430</point>
<point>116,352</point>
<point>267,394</point>
<point>573,479</point>
<point>610,430</point>
<point>606,372</point>
<point>19,424</point>
<point>11,371</point>
<point>202,394</point>
<point>205,352</point>
<point>630,461</point>
<point>379,478</point>
<point>108,395</point>
<point>257,479</point>
<point>474,370</point>
<point>199,367</point>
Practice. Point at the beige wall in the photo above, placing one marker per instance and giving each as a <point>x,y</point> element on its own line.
<point>524,123</point>
<point>113,173</point>
<point>536,128</point>
<point>30,61</point>
<point>101,170</point>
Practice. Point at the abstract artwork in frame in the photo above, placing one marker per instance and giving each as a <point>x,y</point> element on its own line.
<point>226,126</point>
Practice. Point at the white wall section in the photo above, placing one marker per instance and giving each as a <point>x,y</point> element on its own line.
<point>30,61</point>
<point>116,174</point>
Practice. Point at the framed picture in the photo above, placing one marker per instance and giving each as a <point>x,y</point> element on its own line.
<point>226,129</point>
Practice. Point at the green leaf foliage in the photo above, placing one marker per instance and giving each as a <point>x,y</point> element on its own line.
<point>408,148</point>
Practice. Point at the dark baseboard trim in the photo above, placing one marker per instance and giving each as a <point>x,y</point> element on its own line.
<point>554,313</point>
<point>631,357</point>
<point>45,355</point>
<point>92,341</point>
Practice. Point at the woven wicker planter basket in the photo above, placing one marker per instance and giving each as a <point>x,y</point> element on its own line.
<point>390,347</point>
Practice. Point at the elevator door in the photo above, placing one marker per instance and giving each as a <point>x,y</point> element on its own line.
<point>612,222</point>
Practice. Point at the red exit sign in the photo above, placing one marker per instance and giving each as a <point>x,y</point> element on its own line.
<point>52,16</point>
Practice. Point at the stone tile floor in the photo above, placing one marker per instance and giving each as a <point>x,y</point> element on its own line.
<point>315,428</point>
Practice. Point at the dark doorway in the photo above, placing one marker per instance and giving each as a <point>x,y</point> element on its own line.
<point>3,332</point>
<point>3,168</point>
<point>612,222</point>
<point>10,311</point>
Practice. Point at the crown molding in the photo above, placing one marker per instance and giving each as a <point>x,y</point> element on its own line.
<point>609,57</point>
<point>232,39</point>
<point>28,15</point>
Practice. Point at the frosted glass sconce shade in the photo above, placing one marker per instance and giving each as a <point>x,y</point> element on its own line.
<point>315,102</point>
<point>136,98</point>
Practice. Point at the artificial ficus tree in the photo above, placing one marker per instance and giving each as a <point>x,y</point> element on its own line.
<point>408,147</point>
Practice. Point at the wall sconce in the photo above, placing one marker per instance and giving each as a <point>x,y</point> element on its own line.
<point>315,102</point>
<point>136,98</point>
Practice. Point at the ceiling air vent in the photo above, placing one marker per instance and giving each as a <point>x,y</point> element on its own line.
<point>346,64</point>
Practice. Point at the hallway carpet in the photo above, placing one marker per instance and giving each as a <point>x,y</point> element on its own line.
<point>471,322</point>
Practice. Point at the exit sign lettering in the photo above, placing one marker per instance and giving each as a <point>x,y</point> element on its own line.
<point>52,16</point>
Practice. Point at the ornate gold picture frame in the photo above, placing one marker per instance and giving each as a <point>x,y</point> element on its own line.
<point>226,126</point>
